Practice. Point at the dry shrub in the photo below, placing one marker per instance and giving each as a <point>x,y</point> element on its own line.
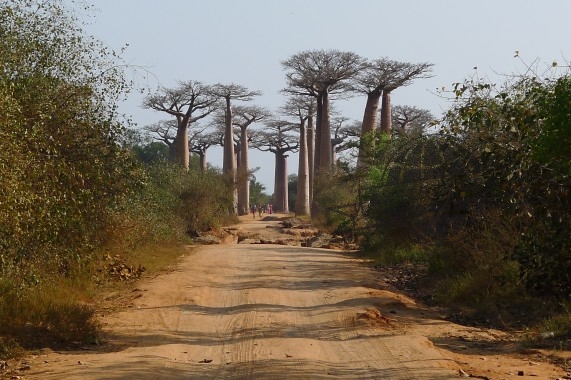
<point>475,265</point>
<point>46,315</point>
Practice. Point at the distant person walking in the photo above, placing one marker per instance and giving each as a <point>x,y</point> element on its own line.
<point>253,209</point>
<point>260,211</point>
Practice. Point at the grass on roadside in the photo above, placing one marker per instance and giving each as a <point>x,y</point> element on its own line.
<point>60,311</point>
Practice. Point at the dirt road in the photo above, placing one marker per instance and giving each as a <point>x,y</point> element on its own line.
<point>259,311</point>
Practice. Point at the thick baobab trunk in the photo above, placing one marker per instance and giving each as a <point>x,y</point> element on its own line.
<point>302,199</point>
<point>317,153</point>
<point>181,143</point>
<point>244,181</point>
<point>370,122</point>
<point>318,127</point>
<point>310,155</point>
<point>386,119</point>
<point>229,160</point>
<point>278,184</point>
<point>280,191</point>
<point>325,143</point>
<point>202,158</point>
<point>286,188</point>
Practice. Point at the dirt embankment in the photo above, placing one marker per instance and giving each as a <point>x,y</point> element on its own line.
<point>266,304</point>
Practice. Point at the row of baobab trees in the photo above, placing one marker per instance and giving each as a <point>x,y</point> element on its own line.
<point>314,79</point>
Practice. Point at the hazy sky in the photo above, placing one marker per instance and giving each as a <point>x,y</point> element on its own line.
<point>244,41</point>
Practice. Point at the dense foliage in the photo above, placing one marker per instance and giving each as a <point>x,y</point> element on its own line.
<point>487,196</point>
<point>62,169</point>
<point>76,185</point>
<point>516,163</point>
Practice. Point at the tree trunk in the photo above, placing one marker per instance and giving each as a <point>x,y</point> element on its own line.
<point>302,199</point>
<point>280,191</point>
<point>286,187</point>
<point>310,155</point>
<point>183,154</point>
<point>370,122</point>
<point>318,128</point>
<point>203,165</point>
<point>316,153</point>
<point>229,160</point>
<point>325,143</point>
<point>386,117</point>
<point>244,182</point>
<point>228,163</point>
<point>278,184</point>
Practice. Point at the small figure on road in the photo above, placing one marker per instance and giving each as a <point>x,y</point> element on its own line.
<point>260,211</point>
<point>253,209</point>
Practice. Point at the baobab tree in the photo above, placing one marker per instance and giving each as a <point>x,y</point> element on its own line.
<point>411,120</point>
<point>230,92</point>
<point>244,117</point>
<point>200,142</point>
<point>303,109</point>
<point>165,132</point>
<point>277,138</point>
<point>371,81</point>
<point>319,73</point>
<point>405,76</point>
<point>188,103</point>
<point>377,80</point>
<point>342,132</point>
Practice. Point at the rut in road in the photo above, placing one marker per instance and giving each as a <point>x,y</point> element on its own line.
<point>261,311</point>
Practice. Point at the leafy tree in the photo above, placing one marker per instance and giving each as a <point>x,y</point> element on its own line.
<point>508,162</point>
<point>63,168</point>
<point>258,196</point>
<point>151,153</point>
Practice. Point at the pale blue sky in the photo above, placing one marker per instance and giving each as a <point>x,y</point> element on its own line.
<point>243,42</point>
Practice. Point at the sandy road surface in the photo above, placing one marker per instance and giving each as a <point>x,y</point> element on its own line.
<point>262,311</point>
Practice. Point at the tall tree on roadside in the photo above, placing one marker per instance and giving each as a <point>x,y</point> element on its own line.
<point>411,120</point>
<point>165,132</point>
<point>303,109</point>
<point>244,117</point>
<point>199,142</point>
<point>230,92</point>
<point>372,81</point>
<point>188,102</point>
<point>277,138</point>
<point>64,168</point>
<point>319,73</point>
<point>342,132</point>
<point>405,76</point>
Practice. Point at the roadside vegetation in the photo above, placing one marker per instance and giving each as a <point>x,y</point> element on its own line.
<point>481,203</point>
<point>80,207</point>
